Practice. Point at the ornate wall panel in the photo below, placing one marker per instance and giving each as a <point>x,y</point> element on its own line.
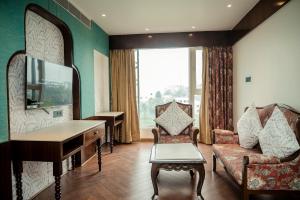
<point>44,41</point>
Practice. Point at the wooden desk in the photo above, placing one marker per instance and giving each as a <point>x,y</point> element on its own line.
<point>54,144</point>
<point>113,119</point>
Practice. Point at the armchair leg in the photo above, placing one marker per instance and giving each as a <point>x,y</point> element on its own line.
<point>214,163</point>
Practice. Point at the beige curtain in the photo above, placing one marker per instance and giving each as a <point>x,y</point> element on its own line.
<point>205,136</point>
<point>124,92</point>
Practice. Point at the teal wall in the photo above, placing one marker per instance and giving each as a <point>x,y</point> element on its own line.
<point>85,41</point>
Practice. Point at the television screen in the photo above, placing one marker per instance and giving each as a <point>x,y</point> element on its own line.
<point>47,84</point>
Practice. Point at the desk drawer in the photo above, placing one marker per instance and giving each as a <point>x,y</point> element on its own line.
<point>93,135</point>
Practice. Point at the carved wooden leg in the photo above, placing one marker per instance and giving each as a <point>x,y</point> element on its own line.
<point>99,154</point>
<point>18,169</point>
<point>111,131</point>
<point>192,173</point>
<point>201,171</point>
<point>154,174</point>
<point>73,161</point>
<point>106,132</point>
<point>120,133</point>
<point>214,166</point>
<point>57,172</point>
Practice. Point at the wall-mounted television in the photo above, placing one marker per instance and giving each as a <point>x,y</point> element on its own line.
<point>47,84</point>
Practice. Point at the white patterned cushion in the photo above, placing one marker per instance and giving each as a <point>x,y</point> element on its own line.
<point>277,138</point>
<point>174,119</point>
<point>248,128</point>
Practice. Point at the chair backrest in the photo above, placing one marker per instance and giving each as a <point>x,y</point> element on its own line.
<point>187,108</point>
<point>292,116</point>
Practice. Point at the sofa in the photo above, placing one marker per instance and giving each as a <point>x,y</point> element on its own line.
<point>252,171</point>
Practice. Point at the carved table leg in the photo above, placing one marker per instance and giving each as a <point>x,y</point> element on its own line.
<point>57,172</point>
<point>111,131</point>
<point>192,173</point>
<point>214,163</point>
<point>154,174</point>
<point>18,169</point>
<point>99,154</point>
<point>201,171</point>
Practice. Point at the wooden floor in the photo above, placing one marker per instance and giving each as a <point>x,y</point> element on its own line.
<point>126,176</point>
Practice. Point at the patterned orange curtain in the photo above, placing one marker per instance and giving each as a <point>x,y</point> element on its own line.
<point>217,93</point>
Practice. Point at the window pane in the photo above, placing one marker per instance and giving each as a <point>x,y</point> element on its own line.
<point>197,101</point>
<point>163,76</point>
<point>198,69</point>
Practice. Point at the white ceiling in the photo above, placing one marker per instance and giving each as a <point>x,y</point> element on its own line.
<point>161,16</point>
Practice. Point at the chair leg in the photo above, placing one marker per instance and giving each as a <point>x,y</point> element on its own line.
<point>214,163</point>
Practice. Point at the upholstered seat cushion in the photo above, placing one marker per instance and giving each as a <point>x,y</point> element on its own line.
<point>164,138</point>
<point>231,156</point>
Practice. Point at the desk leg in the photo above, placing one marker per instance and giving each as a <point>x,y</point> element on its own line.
<point>99,154</point>
<point>73,160</point>
<point>57,172</point>
<point>154,174</point>
<point>120,133</point>
<point>201,171</point>
<point>106,132</point>
<point>112,133</point>
<point>18,169</point>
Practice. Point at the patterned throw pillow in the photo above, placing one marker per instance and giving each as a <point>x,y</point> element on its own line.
<point>174,119</point>
<point>248,127</point>
<point>277,138</point>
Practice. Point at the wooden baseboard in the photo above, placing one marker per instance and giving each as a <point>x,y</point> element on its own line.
<point>5,171</point>
<point>147,140</point>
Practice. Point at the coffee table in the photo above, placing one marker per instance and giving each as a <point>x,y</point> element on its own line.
<point>180,156</point>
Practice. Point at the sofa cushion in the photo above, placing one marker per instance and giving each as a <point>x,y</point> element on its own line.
<point>248,127</point>
<point>277,138</point>
<point>174,119</point>
<point>231,156</point>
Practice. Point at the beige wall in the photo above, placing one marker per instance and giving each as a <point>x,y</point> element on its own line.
<point>101,82</point>
<point>270,54</point>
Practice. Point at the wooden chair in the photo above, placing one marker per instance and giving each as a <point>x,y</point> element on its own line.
<point>188,135</point>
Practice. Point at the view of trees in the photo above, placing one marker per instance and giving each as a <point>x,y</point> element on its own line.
<point>148,103</point>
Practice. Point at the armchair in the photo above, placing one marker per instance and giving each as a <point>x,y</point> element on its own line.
<point>254,172</point>
<point>188,135</point>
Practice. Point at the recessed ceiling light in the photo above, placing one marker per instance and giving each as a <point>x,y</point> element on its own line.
<point>150,36</point>
<point>103,15</point>
<point>229,6</point>
<point>147,29</point>
<point>190,34</point>
<point>280,3</point>
<point>193,27</point>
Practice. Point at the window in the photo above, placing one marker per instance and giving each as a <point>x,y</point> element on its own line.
<point>195,82</point>
<point>164,75</point>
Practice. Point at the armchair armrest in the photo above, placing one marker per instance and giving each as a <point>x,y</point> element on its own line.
<point>194,135</point>
<point>263,159</point>
<point>156,135</point>
<point>220,136</point>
